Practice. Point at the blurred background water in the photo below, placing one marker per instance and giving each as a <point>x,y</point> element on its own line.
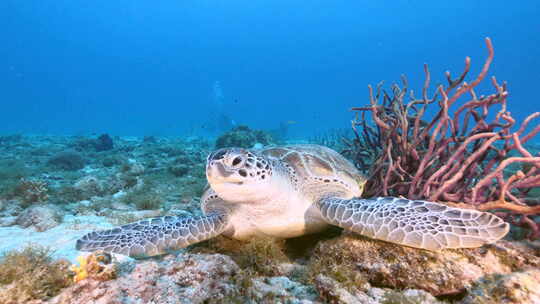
<point>180,68</point>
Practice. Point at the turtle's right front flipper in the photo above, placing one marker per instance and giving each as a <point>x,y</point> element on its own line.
<point>155,236</point>
<point>414,223</point>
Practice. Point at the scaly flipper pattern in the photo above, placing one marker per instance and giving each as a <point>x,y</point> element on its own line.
<point>155,236</point>
<point>414,223</point>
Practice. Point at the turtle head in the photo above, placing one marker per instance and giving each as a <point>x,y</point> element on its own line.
<point>238,175</point>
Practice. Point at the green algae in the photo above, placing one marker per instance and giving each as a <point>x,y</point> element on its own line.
<point>258,257</point>
<point>31,273</point>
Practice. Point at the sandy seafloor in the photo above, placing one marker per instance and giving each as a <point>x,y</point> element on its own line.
<point>76,177</point>
<point>60,239</point>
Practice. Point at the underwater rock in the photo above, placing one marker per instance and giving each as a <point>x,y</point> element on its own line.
<point>103,143</point>
<point>243,137</point>
<point>7,221</point>
<point>516,288</point>
<point>10,208</point>
<point>89,186</point>
<point>281,288</point>
<point>117,205</point>
<point>68,161</point>
<point>179,170</point>
<point>415,296</point>
<point>331,292</point>
<point>189,278</point>
<point>203,277</point>
<point>135,168</point>
<point>448,272</point>
<point>40,217</point>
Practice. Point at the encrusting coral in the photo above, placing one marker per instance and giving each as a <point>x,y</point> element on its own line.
<point>460,156</point>
<point>97,265</point>
<point>244,137</point>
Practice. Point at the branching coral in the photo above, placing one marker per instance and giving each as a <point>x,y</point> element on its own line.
<point>466,153</point>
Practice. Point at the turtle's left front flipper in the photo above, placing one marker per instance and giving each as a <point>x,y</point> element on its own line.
<point>414,223</point>
<point>156,235</point>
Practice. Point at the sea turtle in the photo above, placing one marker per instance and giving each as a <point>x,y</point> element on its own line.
<point>293,190</point>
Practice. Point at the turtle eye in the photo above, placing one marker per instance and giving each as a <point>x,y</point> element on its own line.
<point>236,161</point>
<point>217,155</point>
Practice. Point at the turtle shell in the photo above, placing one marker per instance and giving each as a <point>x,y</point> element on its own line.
<point>318,171</point>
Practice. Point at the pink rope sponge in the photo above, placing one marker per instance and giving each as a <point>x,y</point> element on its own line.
<point>468,154</point>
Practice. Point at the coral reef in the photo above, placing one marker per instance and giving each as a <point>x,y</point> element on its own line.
<point>10,139</point>
<point>145,197</point>
<point>31,191</point>
<point>515,288</point>
<point>260,256</point>
<point>182,164</point>
<point>184,279</point>
<point>89,186</point>
<point>243,137</point>
<point>69,161</point>
<point>383,273</point>
<point>11,172</point>
<point>466,153</point>
<point>166,176</point>
<point>280,289</point>
<point>103,143</point>
<point>332,292</point>
<point>354,260</point>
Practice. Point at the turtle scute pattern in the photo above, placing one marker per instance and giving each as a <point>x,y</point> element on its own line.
<point>415,223</point>
<point>154,236</point>
<point>316,170</point>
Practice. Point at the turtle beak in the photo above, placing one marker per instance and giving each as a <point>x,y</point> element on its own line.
<point>216,170</point>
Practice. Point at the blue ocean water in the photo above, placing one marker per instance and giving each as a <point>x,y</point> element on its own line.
<point>173,67</point>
